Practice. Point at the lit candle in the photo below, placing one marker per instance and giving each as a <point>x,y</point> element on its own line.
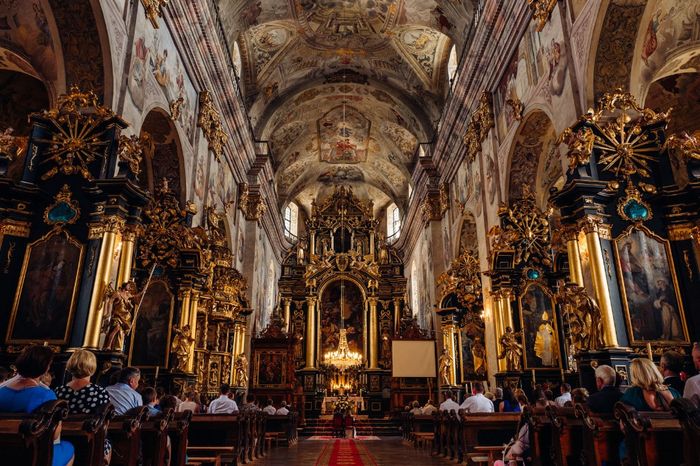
<point>155,380</point>
<point>534,379</point>
<point>650,353</point>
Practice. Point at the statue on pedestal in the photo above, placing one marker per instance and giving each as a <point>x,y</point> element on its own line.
<point>180,348</point>
<point>445,363</point>
<point>241,371</point>
<point>511,350</point>
<point>120,305</point>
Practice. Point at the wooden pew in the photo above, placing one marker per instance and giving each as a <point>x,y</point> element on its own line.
<point>124,433</point>
<point>222,434</point>
<point>154,438</point>
<point>486,429</point>
<point>178,430</point>
<point>567,435</point>
<point>87,433</point>
<point>259,430</point>
<point>282,427</point>
<point>422,429</point>
<point>688,413</point>
<point>652,438</point>
<point>540,435</point>
<point>601,437</point>
<point>27,439</point>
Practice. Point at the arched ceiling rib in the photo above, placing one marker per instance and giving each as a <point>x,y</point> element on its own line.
<point>345,90</point>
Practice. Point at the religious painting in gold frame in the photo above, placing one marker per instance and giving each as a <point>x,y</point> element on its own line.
<point>270,368</point>
<point>539,328</point>
<point>149,344</point>
<point>649,288</point>
<point>43,310</point>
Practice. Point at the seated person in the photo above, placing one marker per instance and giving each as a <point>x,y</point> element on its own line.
<point>603,401</point>
<point>270,408</point>
<point>648,392</point>
<point>150,399</point>
<point>250,406</point>
<point>415,409</point>
<point>25,393</point>
<point>510,403</point>
<point>190,403</point>
<point>578,396</point>
<point>223,404</point>
<point>83,396</point>
<point>123,394</point>
<point>429,408</point>
<point>283,410</point>
<point>518,447</point>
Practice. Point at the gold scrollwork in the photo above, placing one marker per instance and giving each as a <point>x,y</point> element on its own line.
<point>154,9</point>
<point>541,11</point>
<point>463,278</point>
<point>131,151</point>
<point>478,128</point>
<point>11,146</point>
<point>209,120</point>
<point>685,144</point>
<point>64,210</point>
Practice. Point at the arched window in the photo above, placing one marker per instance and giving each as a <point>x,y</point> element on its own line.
<point>393,223</point>
<point>452,66</point>
<point>291,217</point>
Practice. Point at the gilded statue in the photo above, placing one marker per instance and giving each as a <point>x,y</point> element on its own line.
<point>511,349</point>
<point>445,364</point>
<point>583,316</point>
<point>119,307</point>
<point>546,346</point>
<point>240,368</point>
<point>479,357</point>
<point>298,346</point>
<point>180,348</point>
<point>301,250</point>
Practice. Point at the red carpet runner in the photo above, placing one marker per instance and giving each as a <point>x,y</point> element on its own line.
<point>345,453</point>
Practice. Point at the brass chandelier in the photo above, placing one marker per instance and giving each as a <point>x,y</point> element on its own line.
<point>342,358</point>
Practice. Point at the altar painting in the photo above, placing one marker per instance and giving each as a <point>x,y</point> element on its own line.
<point>538,322</point>
<point>270,368</point>
<point>151,335</point>
<point>352,316</point>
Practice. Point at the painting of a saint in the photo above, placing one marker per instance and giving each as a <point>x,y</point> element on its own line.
<point>649,288</point>
<point>270,368</point>
<point>352,316</point>
<point>151,334</point>
<point>44,305</point>
<point>538,321</point>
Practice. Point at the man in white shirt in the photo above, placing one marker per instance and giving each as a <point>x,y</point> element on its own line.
<point>223,404</point>
<point>428,409</point>
<point>269,409</point>
<point>283,411</point>
<point>692,385</point>
<point>415,408</point>
<point>477,403</point>
<point>565,395</point>
<point>449,404</point>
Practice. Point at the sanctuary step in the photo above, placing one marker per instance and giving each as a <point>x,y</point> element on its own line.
<point>365,427</point>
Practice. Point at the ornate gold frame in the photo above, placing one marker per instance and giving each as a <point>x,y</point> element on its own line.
<point>170,327</point>
<point>623,292</point>
<point>554,319</point>
<point>257,368</point>
<point>20,287</point>
<point>365,324</point>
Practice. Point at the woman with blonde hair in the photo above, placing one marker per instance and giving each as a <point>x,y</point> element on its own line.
<point>648,392</point>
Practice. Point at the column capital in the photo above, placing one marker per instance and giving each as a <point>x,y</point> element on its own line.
<point>595,224</point>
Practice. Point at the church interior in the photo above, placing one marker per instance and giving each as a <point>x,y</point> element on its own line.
<point>350,232</point>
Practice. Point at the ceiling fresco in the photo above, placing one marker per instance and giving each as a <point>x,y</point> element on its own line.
<point>344,90</point>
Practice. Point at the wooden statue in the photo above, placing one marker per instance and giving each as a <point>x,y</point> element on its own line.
<point>445,363</point>
<point>511,350</point>
<point>119,311</point>
<point>241,371</point>
<point>180,348</point>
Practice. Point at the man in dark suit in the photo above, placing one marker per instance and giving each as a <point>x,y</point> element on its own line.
<point>671,365</point>
<point>607,395</point>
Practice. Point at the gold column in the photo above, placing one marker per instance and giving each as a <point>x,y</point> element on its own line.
<point>397,314</point>
<point>448,341</point>
<point>373,331</point>
<point>126,259</point>
<point>311,333</point>
<point>312,243</point>
<point>600,283</point>
<point>371,244</point>
<point>185,296</point>
<point>503,317</point>
<point>238,339</point>
<point>575,267</point>
<point>110,234</point>
<point>194,304</point>
<point>287,314</point>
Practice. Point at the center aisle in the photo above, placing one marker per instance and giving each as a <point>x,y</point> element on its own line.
<point>341,452</point>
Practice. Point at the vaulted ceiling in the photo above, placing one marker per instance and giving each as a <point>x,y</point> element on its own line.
<point>344,90</point>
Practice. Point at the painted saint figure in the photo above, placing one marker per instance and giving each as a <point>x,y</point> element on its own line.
<point>546,342</point>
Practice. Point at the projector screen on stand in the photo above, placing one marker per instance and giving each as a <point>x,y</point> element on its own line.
<point>413,358</point>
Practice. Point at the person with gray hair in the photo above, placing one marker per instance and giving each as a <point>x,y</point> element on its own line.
<point>123,394</point>
<point>607,395</point>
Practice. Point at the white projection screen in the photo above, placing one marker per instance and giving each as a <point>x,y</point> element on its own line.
<point>413,358</point>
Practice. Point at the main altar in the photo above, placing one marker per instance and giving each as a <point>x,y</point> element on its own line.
<point>356,404</point>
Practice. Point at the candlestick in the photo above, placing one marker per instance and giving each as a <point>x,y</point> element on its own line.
<point>650,353</point>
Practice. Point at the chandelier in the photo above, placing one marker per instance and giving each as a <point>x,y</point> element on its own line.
<point>342,358</point>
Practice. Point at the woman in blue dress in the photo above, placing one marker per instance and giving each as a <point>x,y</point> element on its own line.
<point>25,393</point>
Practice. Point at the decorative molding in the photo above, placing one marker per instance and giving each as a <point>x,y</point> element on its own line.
<point>250,202</point>
<point>153,10</point>
<point>478,128</point>
<point>16,228</point>
<point>541,11</point>
<point>209,120</point>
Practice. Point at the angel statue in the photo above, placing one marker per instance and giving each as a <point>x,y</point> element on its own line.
<point>241,371</point>
<point>445,364</point>
<point>511,350</point>
<point>118,315</point>
<point>582,314</point>
<point>180,348</point>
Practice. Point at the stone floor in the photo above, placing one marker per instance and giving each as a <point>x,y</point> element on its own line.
<point>386,451</point>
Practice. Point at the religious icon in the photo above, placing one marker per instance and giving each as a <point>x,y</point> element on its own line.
<point>539,331</point>
<point>649,290</point>
<point>46,295</point>
<point>546,342</point>
<point>271,368</point>
<point>151,335</point>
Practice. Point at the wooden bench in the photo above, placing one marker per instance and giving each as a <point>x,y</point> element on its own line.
<point>540,435</point>
<point>652,438</point>
<point>422,430</point>
<point>601,437</point>
<point>27,439</point>
<point>178,431</point>
<point>124,433</point>
<point>567,435</point>
<point>281,427</point>
<point>485,429</point>
<point>688,413</point>
<point>87,433</point>
<point>154,438</point>
<point>219,434</point>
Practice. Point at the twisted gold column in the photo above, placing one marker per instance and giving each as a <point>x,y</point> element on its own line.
<point>600,283</point>
<point>373,334</point>
<point>311,333</point>
<point>111,232</point>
